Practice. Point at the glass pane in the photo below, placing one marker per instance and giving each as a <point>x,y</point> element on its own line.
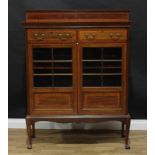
<point>102,66</point>
<point>55,81</point>
<point>91,53</point>
<point>100,81</point>
<point>52,67</point>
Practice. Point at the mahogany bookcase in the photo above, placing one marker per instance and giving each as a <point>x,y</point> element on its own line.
<point>77,67</point>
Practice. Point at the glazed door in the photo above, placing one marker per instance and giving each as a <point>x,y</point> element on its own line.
<point>102,78</point>
<point>52,84</point>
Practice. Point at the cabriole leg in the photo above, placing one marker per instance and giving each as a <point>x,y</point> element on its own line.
<point>127,146</point>
<point>33,129</point>
<point>122,132</point>
<point>29,138</point>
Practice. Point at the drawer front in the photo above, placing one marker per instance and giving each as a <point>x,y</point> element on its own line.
<point>102,35</point>
<point>51,36</point>
<point>52,103</point>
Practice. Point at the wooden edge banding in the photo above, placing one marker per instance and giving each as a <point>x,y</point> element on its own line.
<point>78,118</point>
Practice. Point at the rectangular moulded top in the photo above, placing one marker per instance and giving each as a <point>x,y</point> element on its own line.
<point>77,18</point>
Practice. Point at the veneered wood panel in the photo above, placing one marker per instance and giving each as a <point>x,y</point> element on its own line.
<point>76,16</point>
<point>101,100</point>
<point>102,35</point>
<point>101,103</point>
<point>52,102</point>
<point>51,36</point>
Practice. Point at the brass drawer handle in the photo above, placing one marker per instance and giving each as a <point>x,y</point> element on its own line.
<point>115,36</point>
<point>91,36</point>
<point>39,36</point>
<point>63,36</point>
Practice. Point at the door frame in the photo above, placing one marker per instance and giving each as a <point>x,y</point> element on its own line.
<point>31,90</point>
<point>123,89</point>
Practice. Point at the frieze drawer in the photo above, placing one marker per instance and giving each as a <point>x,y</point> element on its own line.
<point>102,35</point>
<point>53,36</point>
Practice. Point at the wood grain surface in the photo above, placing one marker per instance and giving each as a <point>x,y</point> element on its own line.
<point>76,142</point>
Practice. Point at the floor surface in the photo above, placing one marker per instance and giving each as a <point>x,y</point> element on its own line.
<point>76,142</point>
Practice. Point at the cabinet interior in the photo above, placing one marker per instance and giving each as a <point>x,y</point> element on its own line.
<point>101,66</point>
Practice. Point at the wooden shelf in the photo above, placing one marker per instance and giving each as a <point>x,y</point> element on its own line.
<point>53,74</point>
<point>52,68</point>
<point>42,61</point>
<point>71,67</point>
<point>94,74</point>
<point>102,60</point>
<point>102,67</point>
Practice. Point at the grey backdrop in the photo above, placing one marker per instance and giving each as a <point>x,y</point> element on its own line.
<point>137,49</point>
